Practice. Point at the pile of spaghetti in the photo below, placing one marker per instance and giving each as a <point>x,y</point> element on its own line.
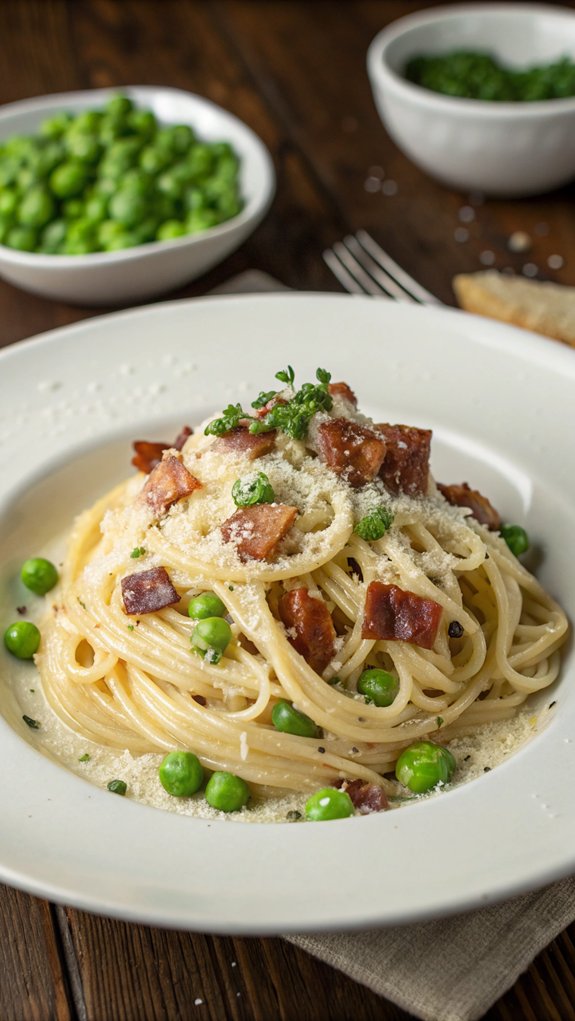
<point>333,552</point>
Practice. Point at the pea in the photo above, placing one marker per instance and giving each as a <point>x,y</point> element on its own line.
<point>252,490</point>
<point>96,208</point>
<point>182,138</point>
<point>119,106</point>
<point>142,122</point>
<point>68,179</point>
<point>201,219</point>
<point>128,208</point>
<point>378,686</point>
<point>86,122</point>
<point>56,126</point>
<point>170,229</point>
<point>227,792</point>
<point>36,208</point>
<point>22,639</point>
<point>153,160</point>
<point>423,765</point>
<point>206,604</point>
<point>124,239</point>
<point>211,636</point>
<point>39,575</point>
<point>72,209</point>
<point>181,774</point>
<point>516,538</point>
<point>52,237</point>
<point>8,202</point>
<point>200,160</point>
<point>289,720</point>
<point>23,238</point>
<point>328,803</point>
<point>86,148</point>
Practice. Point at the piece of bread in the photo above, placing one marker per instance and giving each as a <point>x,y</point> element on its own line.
<point>543,307</point>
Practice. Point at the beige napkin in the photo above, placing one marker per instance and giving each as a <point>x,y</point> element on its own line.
<point>453,969</point>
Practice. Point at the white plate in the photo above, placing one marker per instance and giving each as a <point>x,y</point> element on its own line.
<point>500,402</point>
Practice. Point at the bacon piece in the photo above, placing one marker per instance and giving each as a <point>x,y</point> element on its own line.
<point>350,450</point>
<point>147,591</point>
<point>405,468</point>
<point>393,613</point>
<point>342,390</point>
<point>149,453</point>
<point>311,621</point>
<point>460,495</point>
<point>256,531</point>
<point>169,481</point>
<point>272,403</point>
<point>241,441</point>
<point>366,797</point>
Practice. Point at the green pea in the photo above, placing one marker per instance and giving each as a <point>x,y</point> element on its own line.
<point>8,202</point>
<point>142,122</point>
<point>253,489</point>
<point>96,208</point>
<point>73,209</point>
<point>328,803</point>
<point>516,538</point>
<point>226,792</point>
<point>201,219</point>
<point>154,160</point>
<point>423,765</point>
<point>211,637</point>
<point>289,720</point>
<point>128,208</point>
<point>39,575</point>
<point>378,686</point>
<point>170,229</point>
<point>119,106</point>
<point>124,239</point>
<point>36,208</point>
<point>206,604</point>
<point>181,774</point>
<point>86,122</point>
<point>52,237</point>
<point>182,137</point>
<point>56,126</point>
<point>84,147</point>
<point>200,160</point>
<point>68,179</point>
<point>23,238</point>
<point>22,639</point>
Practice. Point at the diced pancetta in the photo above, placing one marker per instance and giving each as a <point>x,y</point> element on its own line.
<point>149,453</point>
<point>309,626</point>
<point>350,450</point>
<point>392,613</point>
<point>147,591</point>
<point>366,797</point>
<point>256,531</point>
<point>242,441</point>
<point>169,482</point>
<point>342,390</point>
<point>460,495</point>
<point>405,467</point>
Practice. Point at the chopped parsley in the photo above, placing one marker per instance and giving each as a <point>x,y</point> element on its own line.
<point>439,721</point>
<point>291,415</point>
<point>253,489</point>
<point>117,787</point>
<point>84,758</point>
<point>137,552</point>
<point>375,524</point>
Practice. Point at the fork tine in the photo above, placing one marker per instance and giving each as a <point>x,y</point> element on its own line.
<point>395,272</point>
<point>350,271</point>
<point>384,281</point>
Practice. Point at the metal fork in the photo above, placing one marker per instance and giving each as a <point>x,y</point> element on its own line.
<point>362,267</point>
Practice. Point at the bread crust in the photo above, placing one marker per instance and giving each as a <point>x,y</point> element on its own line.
<point>543,307</point>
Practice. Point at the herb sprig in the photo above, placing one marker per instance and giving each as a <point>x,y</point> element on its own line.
<point>290,415</point>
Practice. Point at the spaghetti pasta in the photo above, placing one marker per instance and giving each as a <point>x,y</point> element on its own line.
<point>134,679</point>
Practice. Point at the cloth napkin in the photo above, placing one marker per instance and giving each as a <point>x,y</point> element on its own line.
<point>455,968</point>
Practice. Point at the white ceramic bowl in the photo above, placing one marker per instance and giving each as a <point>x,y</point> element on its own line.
<point>507,149</point>
<point>133,274</point>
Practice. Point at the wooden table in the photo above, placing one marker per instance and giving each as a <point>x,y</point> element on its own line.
<point>295,71</point>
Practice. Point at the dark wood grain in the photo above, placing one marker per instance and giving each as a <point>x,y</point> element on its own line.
<point>294,70</point>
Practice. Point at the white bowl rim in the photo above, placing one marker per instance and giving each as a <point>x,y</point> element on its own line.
<point>380,71</point>
<point>255,207</point>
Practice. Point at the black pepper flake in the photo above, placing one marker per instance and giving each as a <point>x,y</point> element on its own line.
<point>321,750</point>
<point>551,704</point>
<point>293,815</point>
<point>33,724</point>
<point>355,751</point>
<point>467,758</point>
<point>22,610</point>
<point>455,629</point>
<point>487,769</point>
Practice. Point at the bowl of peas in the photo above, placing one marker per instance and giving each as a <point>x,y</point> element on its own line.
<point>109,197</point>
<point>481,96</point>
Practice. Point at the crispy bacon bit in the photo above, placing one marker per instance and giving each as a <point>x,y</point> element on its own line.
<point>147,591</point>
<point>460,495</point>
<point>350,450</point>
<point>393,613</point>
<point>310,621</point>
<point>405,468</point>
<point>241,441</point>
<point>272,403</point>
<point>149,453</point>
<point>256,531</point>
<point>366,797</point>
<point>170,481</point>
<point>342,390</point>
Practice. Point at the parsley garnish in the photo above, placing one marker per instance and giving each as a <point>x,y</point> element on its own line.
<point>137,552</point>
<point>253,489</point>
<point>291,416</point>
<point>117,787</point>
<point>375,524</point>
<point>439,720</point>
<point>84,758</point>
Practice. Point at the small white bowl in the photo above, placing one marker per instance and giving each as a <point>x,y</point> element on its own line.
<point>500,148</point>
<point>148,270</point>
